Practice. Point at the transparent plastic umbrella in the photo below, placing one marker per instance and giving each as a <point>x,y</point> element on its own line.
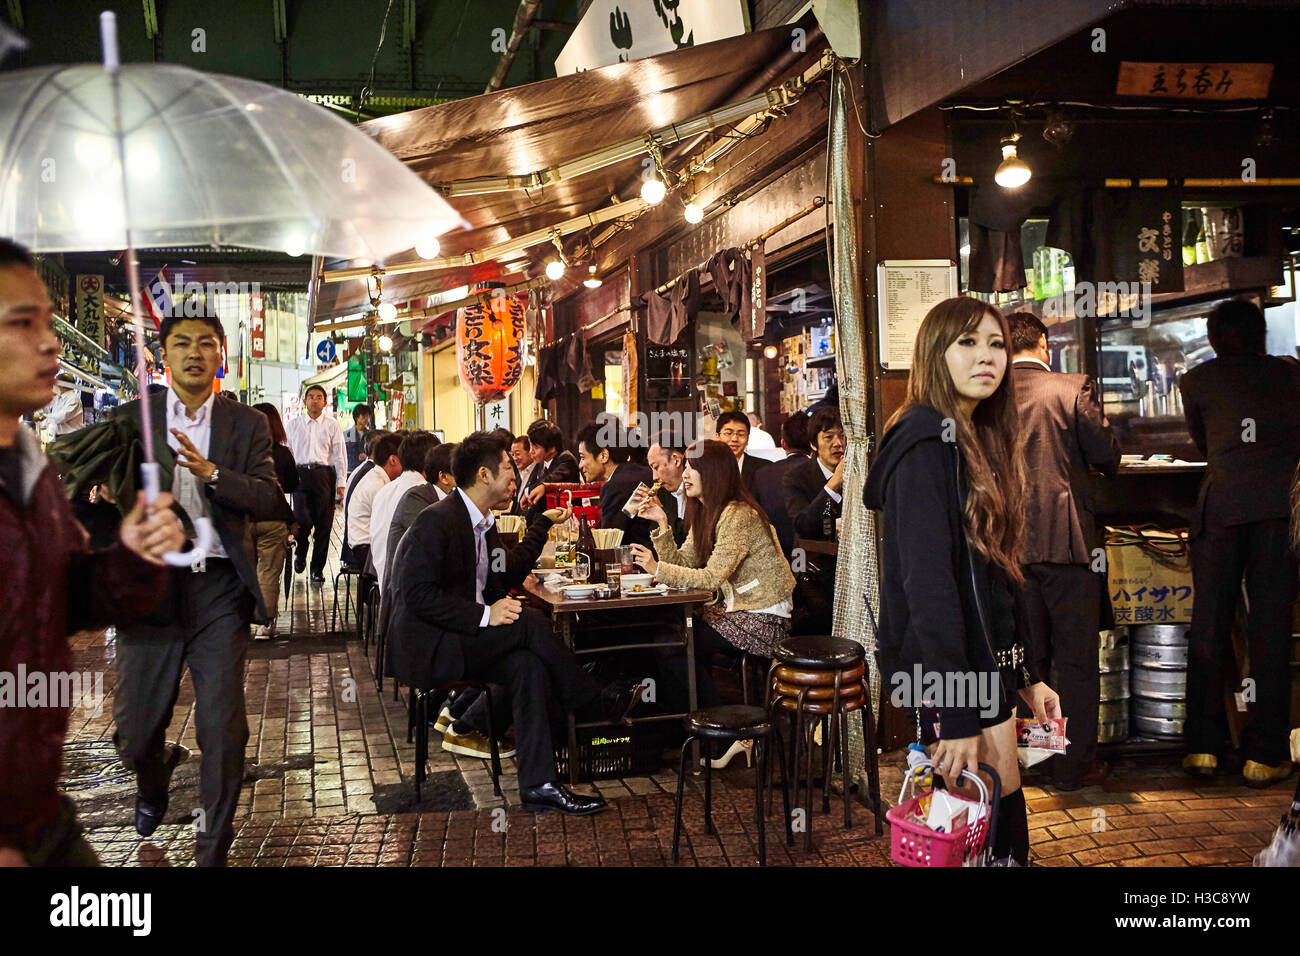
<point>112,156</point>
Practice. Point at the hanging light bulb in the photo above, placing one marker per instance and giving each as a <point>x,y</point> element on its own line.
<point>387,311</point>
<point>427,248</point>
<point>694,213</point>
<point>769,351</point>
<point>653,190</point>
<point>1012,171</point>
<point>555,270</point>
<point>592,282</point>
<point>385,343</point>
<point>295,245</point>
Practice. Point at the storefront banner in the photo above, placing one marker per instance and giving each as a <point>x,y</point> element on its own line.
<point>88,307</point>
<point>1138,239</point>
<point>1195,81</point>
<point>615,31</point>
<point>257,325</point>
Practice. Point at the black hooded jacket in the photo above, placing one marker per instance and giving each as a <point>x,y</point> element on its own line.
<point>942,605</point>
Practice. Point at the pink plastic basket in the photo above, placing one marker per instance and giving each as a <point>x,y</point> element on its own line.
<point>914,844</point>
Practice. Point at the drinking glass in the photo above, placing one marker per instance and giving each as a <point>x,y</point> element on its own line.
<point>626,560</point>
<point>581,569</point>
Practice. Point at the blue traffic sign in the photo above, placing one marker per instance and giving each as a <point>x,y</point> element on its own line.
<point>325,351</point>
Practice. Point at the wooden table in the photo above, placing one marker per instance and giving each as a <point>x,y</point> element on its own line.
<point>563,613</point>
<point>815,546</point>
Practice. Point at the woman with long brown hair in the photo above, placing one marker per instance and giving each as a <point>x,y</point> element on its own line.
<point>949,478</point>
<point>730,548</point>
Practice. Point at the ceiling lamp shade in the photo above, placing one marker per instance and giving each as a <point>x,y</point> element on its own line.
<point>1012,171</point>
<point>489,347</point>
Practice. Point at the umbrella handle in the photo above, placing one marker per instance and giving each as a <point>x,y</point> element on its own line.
<point>205,534</point>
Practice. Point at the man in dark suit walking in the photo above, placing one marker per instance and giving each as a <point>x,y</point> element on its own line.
<point>1059,607</point>
<point>1243,411</point>
<point>769,486</point>
<point>219,466</point>
<point>733,431</point>
<point>550,464</point>
<point>453,618</point>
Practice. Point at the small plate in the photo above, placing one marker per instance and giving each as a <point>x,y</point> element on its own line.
<point>645,592</point>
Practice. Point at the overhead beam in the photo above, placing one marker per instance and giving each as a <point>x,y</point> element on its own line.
<point>524,17</point>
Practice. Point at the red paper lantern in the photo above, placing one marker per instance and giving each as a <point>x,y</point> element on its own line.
<point>489,347</point>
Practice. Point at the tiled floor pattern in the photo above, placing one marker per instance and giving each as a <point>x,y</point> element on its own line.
<point>329,782</point>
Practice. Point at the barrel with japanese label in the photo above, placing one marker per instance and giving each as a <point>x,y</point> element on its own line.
<point>1159,675</point>
<point>1113,709</point>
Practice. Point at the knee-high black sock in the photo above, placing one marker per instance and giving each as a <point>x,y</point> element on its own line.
<point>1012,838</point>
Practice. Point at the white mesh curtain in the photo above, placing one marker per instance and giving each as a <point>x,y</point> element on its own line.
<point>856,575</point>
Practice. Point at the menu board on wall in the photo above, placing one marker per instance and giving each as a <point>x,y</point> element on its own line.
<point>906,290</point>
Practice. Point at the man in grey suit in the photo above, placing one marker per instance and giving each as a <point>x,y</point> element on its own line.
<point>216,461</point>
<point>1058,609</point>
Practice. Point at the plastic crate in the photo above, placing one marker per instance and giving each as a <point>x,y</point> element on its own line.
<point>608,751</point>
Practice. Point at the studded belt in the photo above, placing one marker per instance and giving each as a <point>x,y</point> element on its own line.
<point>1010,658</point>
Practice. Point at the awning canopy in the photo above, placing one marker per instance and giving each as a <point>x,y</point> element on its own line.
<point>524,129</point>
<point>329,378</point>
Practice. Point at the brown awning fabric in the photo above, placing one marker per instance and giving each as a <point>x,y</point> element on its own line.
<point>527,128</point>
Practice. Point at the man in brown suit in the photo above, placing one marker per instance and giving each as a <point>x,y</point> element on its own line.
<point>1243,411</point>
<point>1058,609</point>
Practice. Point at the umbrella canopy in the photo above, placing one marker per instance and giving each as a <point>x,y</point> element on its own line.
<point>210,160</point>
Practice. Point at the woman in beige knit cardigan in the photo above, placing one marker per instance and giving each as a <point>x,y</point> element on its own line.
<point>730,548</point>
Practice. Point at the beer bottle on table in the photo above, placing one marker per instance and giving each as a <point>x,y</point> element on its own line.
<point>587,546</point>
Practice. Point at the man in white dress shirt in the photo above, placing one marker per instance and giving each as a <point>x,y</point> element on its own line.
<point>64,415</point>
<point>411,453</point>
<point>316,441</point>
<point>521,453</point>
<point>361,499</point>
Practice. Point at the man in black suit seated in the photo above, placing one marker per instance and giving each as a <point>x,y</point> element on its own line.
<point>667,462</point>
<point>1243,410</point>
<point>452,619</point>
<point>604,450</point>
<point>814,495</point>
<point>733,430</point>
<point>550,463</point>
<point>769,486</point>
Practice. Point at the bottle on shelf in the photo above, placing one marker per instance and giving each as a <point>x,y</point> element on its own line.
<point>1189,237</point>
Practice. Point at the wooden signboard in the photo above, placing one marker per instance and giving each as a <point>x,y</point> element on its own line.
<point>1195,81</point>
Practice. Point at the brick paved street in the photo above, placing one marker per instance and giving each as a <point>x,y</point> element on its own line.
<point>329,781</point>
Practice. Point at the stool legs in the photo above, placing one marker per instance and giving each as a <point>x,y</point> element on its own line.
<point>870,758</point>
<point>708,793</point>
<point>421,739</point>
<point>492,742</point>
<point>681,782</point>
<point>760,818</point>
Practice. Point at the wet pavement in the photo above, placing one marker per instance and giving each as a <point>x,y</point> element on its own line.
<point>329,781</point>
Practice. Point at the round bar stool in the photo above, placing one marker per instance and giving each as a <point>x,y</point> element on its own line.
<point>819,680</point>
<point>726,725</point>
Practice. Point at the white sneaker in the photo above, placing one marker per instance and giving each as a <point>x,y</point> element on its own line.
<point>443,723</point>
<point>262,632</point>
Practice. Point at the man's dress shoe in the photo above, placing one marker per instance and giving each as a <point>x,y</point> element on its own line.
<point>554,796</point>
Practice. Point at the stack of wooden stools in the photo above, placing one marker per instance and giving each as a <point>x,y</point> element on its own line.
<point>817,681</point>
